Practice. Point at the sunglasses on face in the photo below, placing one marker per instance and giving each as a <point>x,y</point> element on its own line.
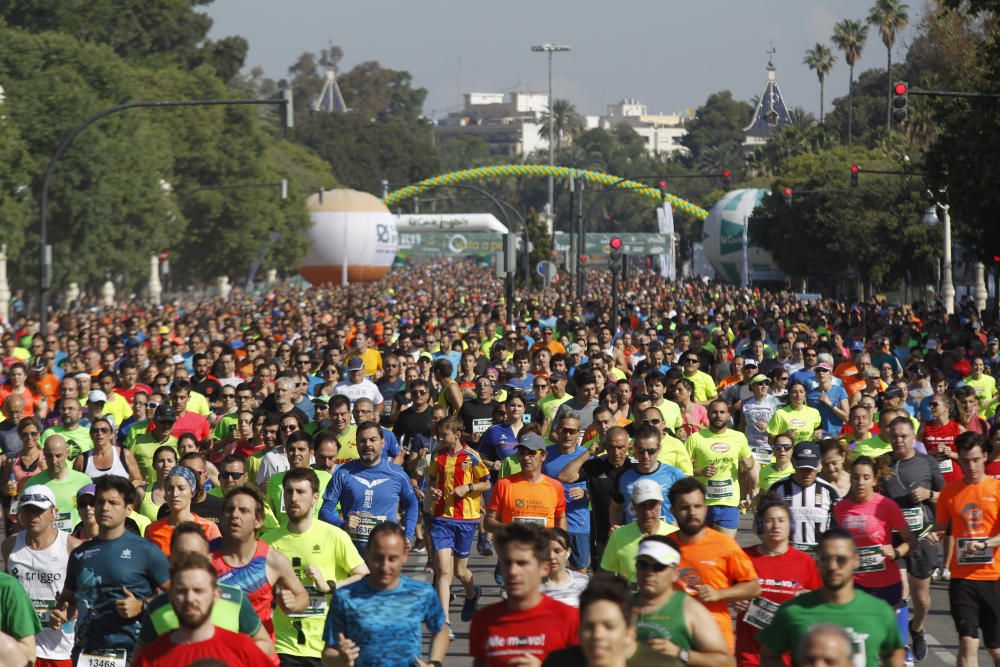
<point>841,561</point>
<point>524,451</point>
<point>102,429</point>
<point>647,452</point>
<point>652,421</point>
<point>650,566</point>
<point>231,475</point>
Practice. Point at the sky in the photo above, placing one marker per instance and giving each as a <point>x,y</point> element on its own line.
<point>666,54</point>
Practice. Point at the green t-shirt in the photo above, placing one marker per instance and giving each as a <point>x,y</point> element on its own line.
<point>986,389</point>
<point>274,499</point>
<point>667,622</point>
<point>803,421</point>
<point>510,466</point>
<point>143,446</point>
<point>769,475</point>
<point>77,439</point>
<point>873,447</point>
<point>724,451</point>
<point>331,550</point>
<point>225,426</point>
<point>18,619</point>
<point>232,611</point>
<point>623,547</point>
<point>869,621</point>
<point>65,492</point>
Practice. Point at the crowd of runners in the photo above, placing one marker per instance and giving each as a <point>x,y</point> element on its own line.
<point>242,482</point>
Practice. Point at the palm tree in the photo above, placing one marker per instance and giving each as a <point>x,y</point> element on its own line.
<point>850,37</point>
<point>889,16</point>
<point>820,59</point>
<point>568,123</point>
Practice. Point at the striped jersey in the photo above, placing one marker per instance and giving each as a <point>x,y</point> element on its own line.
<point>811,509</point>
<point>449,470</point>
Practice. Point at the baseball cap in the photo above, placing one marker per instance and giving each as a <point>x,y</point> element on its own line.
<point>931,344</point>
<point>37,495</point>
<point>749,362</point>
<point>325,400</point>
<point>532,441</point>
<point>992,339</point>
<point>872,373</point>
<point>760,377</point>
<point>892,392</point>
<point>574,348</point>
<point>165,413</point>
<point>858,346</point>
<point>356,364</point>
<point>88,490</point>
<point>806,455</point>
<point>825,366</point>
<point>664,554</point>
<point>97,396</point>
<point>646,489</point>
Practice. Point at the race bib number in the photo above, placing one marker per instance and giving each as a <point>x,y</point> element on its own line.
<point>114,657</point>
<point>360,532</point>
<point>914,518</point>
<point>762,455</point>
<point>872,559</point>
<point>64,522</point>
<point>42,609</point>
<point>945,466</point>
<point>805,547</point>
<point>480,426</point>
<point>761,612</point>
<point>966,556</point>
<point>14,504</point>
<point>720,489</point>
<point>537,520</point>
<point>317,604</point>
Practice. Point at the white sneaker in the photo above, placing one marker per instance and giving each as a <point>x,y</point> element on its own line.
<point>936,574</point>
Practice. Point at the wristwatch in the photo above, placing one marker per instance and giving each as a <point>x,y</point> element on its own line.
<point>684,655</point>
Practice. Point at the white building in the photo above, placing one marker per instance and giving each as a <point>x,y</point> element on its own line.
<point>661,132</point>
<point>510,123</point>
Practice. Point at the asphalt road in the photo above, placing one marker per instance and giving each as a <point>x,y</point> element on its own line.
<point>941,637</point>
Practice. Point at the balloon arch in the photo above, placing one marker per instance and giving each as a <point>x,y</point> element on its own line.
<point>542,170</point>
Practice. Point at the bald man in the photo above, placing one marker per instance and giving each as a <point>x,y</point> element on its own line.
<point>825,645</point>
<point>13,411</point>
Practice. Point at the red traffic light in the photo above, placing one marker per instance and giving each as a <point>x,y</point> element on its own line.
<point>788,192</point>
<point>855,168</point>
<point>725,173</point>
<point>663,184</point>
<point>996,258</point>
<point>615,243</point>
<point>584,259</point>
<point>900,88</point>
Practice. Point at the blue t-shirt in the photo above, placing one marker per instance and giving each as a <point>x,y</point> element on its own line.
<point>498,442</point>
<point>526,385</point>
<point>380,492</point>
<point>577,511</point>
<point>831,423</point>
<point>390,449</point>
<point>96,573</point>
<point>389,390</point>
<point>808,378</point>
<point>387,625</point>
<point>666,475</point>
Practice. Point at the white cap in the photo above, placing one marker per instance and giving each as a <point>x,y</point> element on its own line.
<point>646,489</point>
<point>37,495</point>
<point>658,551</point>
<point>97,396</point>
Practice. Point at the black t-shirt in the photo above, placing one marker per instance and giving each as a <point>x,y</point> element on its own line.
<point>411,424</point>
<point>600,477</point>
<point>474,411</point>
<point>209,509</point>
<point>208,387</point>
<point>919,470</point>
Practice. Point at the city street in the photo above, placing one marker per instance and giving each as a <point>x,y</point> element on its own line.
<point>941,638</point>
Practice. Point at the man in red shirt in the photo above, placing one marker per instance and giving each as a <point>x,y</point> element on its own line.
<point>187,421</point>
<point>528,624</point>
<point>193,592</point>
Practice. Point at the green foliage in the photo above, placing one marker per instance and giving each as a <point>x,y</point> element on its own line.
<point>567,124</point>
<point>464,152</point>
<point>820,59</point>
<point>718,126</point>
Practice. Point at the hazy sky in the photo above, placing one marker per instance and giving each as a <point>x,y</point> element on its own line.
<point>669,55</point>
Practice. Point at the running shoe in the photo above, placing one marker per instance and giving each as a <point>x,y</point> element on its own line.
<point>918,644</point>
<point>469,606</point>
<point>484,545</point>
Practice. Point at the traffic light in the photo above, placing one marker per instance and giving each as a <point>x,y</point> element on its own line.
<point>899,101</point>
<point>287,109</point>
<point>855,170</point>
<point>615,259</point>
<point>727,182</point>
<point>788,197</point>
<point>584,259</point>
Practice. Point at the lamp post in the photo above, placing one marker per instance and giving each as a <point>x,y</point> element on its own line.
<point>550,49</point>
<point>947,282</point>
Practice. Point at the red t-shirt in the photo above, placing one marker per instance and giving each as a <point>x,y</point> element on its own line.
<point>944,435</point>
<point>781,578</point>
<point>230,648</point>
<point>498,635</point>
<point>192,422</point>
<point>993,469</point>
<point>129,394</point>
<point>871,523</point>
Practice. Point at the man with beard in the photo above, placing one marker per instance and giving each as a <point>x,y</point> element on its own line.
<point>193,593</point>
<point>714,568</point>
<point>369,490</point>
<point>323,558</point>
<point>868,621</point>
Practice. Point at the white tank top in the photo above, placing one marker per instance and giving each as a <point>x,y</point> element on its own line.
<point>117,468</point>
<point>42,574</point>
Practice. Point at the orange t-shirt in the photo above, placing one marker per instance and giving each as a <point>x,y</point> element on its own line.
<point>30,400</point>
<point>718,561</point>
<point>973,510</point>
<point>517,500</point>
<point>160,532</point>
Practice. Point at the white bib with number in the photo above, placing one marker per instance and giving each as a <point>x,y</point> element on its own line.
<point>762,455</point>
<point>317,604</point>
<point>720,489</point>
<point>966,556</point>
<point>537,520</point>
<point>114,657</point>
<point>361,531</point>
<point>872,559</point>
<point>945,466</point>
<point>914,517</point>
<point>64,522</point>
<point>761,612</point>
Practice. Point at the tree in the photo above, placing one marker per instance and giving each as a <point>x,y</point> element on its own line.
<point>567,123</point>
<point>889,17</point>
<point>719,122</point>
<point>850,36</point>
<point>820,59</point>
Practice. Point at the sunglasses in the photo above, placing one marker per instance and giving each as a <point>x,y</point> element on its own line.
<point>229,396</point>
<point>231,475</point>
<point>652,421</point>
<point>34,497</point>
<point>30,434</point>
<point>647,452</point>
<point>781,448</point>
<point>650,566</point>
<point>104,429</point>
<point>524,451</point>
<point>841,561</point>
<point>86,501</point>
<point>419,392</point>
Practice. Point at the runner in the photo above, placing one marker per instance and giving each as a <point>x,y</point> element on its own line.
<point>723,462</point>
<point>562,583</point>
<point>378,621</point>
<point>528,625</point>
<point>557,456</point>
<point>713,568</point>
<point>783,573</point>
<point>869,622</point>
<point>298,449</point>
<point>646,447</point>
<point>781,468</point>
<point>672,451</point>
<point>369,490</point>
<point>939,434</point>
<point>528,496</point>
<point>178,492</point>
<point>755,414</point>
<point>323,558</point>
<point>62,480</point>
<point>796,419</point>
<point>810,498</point>
<point>623,544</point>
<point>970,509</point>
<point>193,595</point>
<point>37,558</point>
<point>143,444</point>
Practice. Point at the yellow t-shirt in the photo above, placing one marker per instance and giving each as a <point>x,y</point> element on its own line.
<point>673,452</point>
<point>803,421</point>
<point>986,389</point>
<point>704,386</point>
<point>724,451</point>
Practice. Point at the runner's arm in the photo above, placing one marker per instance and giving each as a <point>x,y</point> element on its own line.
<point>439,644</point>
<point>356,574</point>
<point>280,573</point>
<point>895,659</point>
<point>263,640</point>
<point>491,523</point>
<point>331,497</point>
<point>410,507</point>
<point>571,473</point>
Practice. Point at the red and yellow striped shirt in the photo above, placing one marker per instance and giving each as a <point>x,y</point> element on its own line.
<point>450,470</point>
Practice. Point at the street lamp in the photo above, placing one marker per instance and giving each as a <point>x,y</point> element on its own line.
<point>550,49</point>
<point>947,283</point>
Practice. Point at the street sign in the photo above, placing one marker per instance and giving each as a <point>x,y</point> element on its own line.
<point>598,243</point>
<point>547,270</point>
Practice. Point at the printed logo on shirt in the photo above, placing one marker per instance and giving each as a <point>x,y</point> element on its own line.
<point>126,554</point>
<point>515,642</point>
<point>317,549</point>
<point>719,447</point>
<point>371,483</point>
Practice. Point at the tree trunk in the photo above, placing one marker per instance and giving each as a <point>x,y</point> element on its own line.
<point>821,101</point>
<point>888,75</point>
<point>850,107</point>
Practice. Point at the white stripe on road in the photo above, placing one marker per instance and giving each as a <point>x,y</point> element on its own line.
<point>943,656</point>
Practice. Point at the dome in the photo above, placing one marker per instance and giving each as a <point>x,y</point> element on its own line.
<point>349,227</point>
<point>723,238</point>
